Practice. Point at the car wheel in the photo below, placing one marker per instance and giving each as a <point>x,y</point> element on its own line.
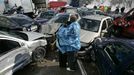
<point>39,54</point>
<point>93,57</point>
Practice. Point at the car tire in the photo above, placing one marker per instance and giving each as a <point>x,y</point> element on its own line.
<point>93,57</point>
<point>39,54</point>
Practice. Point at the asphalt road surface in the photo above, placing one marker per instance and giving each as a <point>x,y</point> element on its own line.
<point>50,67</point>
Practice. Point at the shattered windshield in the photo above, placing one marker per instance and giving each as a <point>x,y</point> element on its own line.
<point>47,15</point>
<point>60,18</point>
<point>22,21</point>
<point>4,22</point>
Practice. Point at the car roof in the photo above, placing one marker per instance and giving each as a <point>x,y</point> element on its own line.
<point>20,19</point>
<point>20,16</point>
<point>95,17</point>
<point>17,15</point>
<point>49,11</point>
<point>120,56</point>
<point>129,42</point>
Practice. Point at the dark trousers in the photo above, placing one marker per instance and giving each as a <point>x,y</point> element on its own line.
<point>62,59</point>
<point>68,57</point>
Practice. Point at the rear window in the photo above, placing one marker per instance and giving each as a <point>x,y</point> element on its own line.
<point>62,18</point>
<point>21,21</point>
<point>5,22</point>
<point>47,15</point>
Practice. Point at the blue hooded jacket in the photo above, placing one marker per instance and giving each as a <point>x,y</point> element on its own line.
<point>68,38</point>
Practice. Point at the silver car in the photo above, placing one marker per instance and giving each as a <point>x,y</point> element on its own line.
<point>17,49</point>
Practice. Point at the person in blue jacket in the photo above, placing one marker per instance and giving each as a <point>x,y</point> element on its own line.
<point>68,43</point>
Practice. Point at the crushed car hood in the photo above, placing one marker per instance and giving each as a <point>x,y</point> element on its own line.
<point>33,35</point>
<point>41,20</point>
<point>87,36</point>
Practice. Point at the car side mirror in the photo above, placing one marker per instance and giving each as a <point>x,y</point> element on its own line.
<point>104,31</point>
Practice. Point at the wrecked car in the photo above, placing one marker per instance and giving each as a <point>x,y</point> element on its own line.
<point>113,56</point>
<point>24,22</point>
<point>93,26</point>
<point>124,26</point>
<point>18,49</point>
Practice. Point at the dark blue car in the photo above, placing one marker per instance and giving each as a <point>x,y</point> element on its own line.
<point>24,22</point>
<point>114,56</point>
<point>45,16</point>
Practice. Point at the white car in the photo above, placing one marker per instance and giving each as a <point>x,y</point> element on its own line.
<point>17,50</point>
<point>93,26</point>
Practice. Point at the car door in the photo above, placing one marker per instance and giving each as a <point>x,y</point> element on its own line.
<point>115,53</point>
<point>111,61</point>
<point>12,56</point>
<point>107,66</point>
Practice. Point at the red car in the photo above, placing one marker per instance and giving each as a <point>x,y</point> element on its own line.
<point>125,25</point>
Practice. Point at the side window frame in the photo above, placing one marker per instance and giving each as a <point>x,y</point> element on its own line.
<point>104,24</point>
<point>105,49</point>
<point>107,21</point>
<point>111,53</point>
<point>115,51</point>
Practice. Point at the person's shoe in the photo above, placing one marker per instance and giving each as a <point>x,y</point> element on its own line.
<point>68,69</point>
